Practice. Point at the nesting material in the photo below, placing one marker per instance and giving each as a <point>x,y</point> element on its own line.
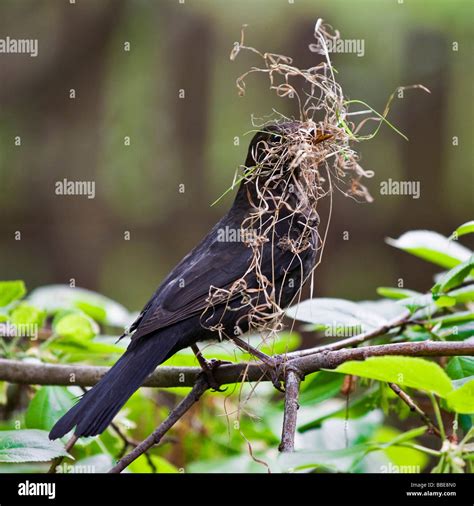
<point>313,157</point>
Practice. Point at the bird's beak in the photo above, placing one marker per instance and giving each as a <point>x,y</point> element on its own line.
<point>322,136</point>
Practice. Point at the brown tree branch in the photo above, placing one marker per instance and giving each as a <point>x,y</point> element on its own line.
<point>14,371</point>
<point>359,338</point>
<point>292,390</point>
<point>129,442</point>
<point>332,359</point>
<point>58,460</point>
<point>28,373</point>
<point>295,367</point>
<point>199,388</point>
<point>414,407</point>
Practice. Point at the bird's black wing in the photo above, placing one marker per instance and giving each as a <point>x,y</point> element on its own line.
<point>185,291</point>
<point>185,294</point>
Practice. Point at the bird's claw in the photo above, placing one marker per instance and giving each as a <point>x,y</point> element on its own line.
<point>208,371</point>
<point>275,369</point>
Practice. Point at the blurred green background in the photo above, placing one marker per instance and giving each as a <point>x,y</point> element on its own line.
<point>190,141</point>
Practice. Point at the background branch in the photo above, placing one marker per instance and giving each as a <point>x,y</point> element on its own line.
<point>199,388</point>
<point>359,338</point>
<point>414,407</point>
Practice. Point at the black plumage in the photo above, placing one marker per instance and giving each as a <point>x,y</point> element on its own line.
<point>176,316</point>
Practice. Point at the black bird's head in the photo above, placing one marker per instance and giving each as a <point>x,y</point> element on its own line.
<point>278,153</point>
<point>270,136</point>
<point>284,140</point>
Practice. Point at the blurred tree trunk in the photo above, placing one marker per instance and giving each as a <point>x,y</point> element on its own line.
<point>190,51</point>
<point>58,141</point>
<point>423,119</point>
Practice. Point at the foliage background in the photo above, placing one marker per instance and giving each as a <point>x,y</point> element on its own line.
<point>191,141</point>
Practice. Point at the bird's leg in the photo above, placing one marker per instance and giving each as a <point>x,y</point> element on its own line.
<point>208,367</point>
<point>273,363</point>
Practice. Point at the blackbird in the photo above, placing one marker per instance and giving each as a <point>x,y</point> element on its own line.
<point>179,313</point>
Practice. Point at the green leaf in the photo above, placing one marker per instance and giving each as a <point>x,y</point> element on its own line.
<point>457,332</point>
<point>445,301</point>
<point>433,247</point>
<point>454,277</point>
<point>28,316</point>
<point>235,464</point>
<point>359,406</point>
<point>47,406</point>
<point>29,446</point>
<point>460,367</point>
<point>338,460</point>
<point>285,342</point>
<point>162,466</point>
<point>395,293</point>
<point>416,302</point>
<point>76,325</point>
<point>453,318</point>
<point>401,456</point>
<point>320,386</point>
<point>11,291</point>
<point>386,309</point>
<point>25,468</point>
<point>405,436</point>
<point>78,350</point>
<point>99,463</point>
<point>336,315</point>
<point>461,400</point>
<point>466,422</point>
<point>97,313</point>
<point>342,459</point>
<point>465,228</point>
<point>463,294</point>
<point>55,297</point>
<point>404,371</point>
<point>416,333</point>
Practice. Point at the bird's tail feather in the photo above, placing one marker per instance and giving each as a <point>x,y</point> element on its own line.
<point>97,407</point>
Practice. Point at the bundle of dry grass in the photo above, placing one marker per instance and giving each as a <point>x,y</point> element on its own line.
<point>314,156</point>
<point>323,111</point>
